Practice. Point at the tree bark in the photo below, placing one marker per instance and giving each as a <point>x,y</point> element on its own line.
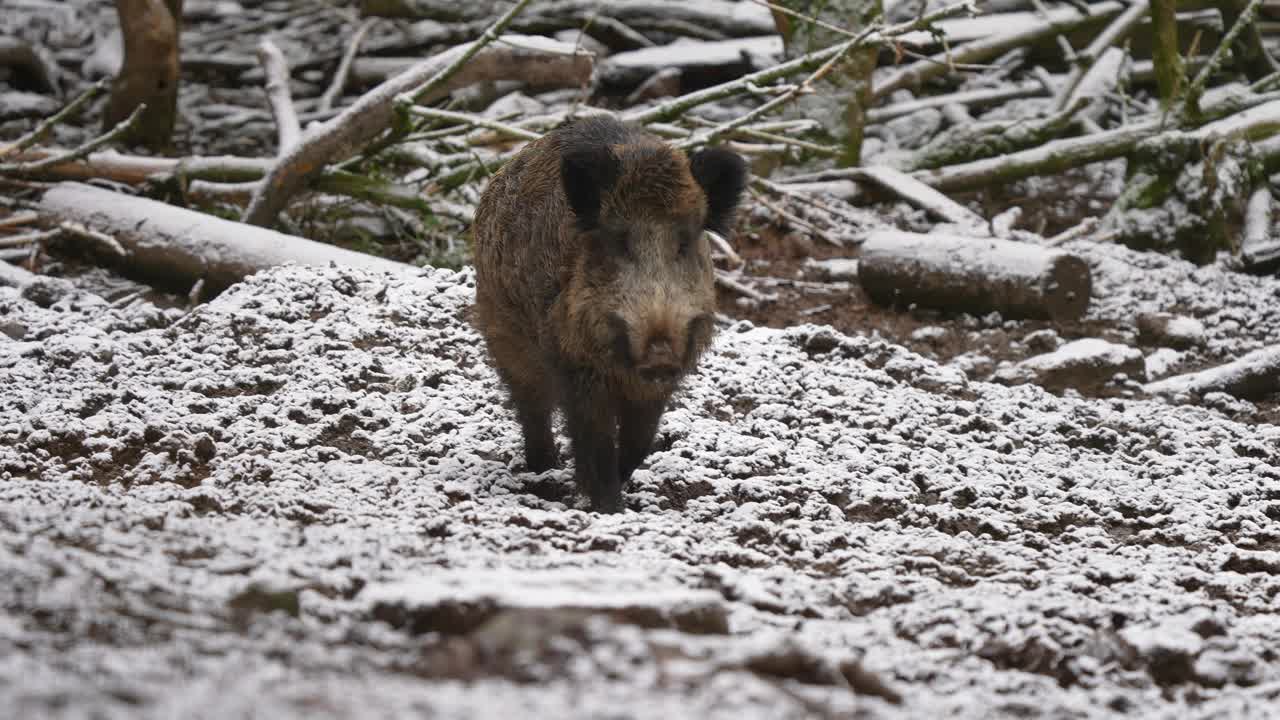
<point>150,72</point>
<point>173,247</point>
<point>1171,77</point>
<point>976,275</point>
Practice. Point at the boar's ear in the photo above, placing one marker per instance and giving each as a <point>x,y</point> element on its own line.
<point>723,176</point>
<point>587,173</point>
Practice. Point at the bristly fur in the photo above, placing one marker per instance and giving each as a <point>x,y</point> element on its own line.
<point>723,176</point>
<point>595,290</point>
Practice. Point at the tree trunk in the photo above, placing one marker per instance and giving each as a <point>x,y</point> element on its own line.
<point>150,72</point>
<point>1170,75</point>
<point>976,275</point>
<point>844,96</point>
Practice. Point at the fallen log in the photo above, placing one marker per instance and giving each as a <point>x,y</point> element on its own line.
<point>976,275</point>
<point>14,276</point>
<point>1258,251</point>
<point>174,247</point>
<point>1249,378</point>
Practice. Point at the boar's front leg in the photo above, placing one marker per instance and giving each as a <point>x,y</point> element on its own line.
<point>637,424</point>
<point>533,410</point>
<point>590,420</point>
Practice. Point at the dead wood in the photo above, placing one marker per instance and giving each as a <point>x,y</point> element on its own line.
<point>14,276</point>
<point>176,247</point>
<point>1057,21</point>
<point>279,99</point>
<point>150,72</point>
<point>1250,377</point>
<point>340,76</point>
<point>533,58</point>
<point>1259,251</point>
<point>968,98</point>
<point>723,18</point>
<point>976,275</point>
<point>921,196</point>
<point>1258,116</point>
<point>1088,61</point>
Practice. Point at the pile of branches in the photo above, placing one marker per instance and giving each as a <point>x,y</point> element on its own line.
<point>1056,88</point>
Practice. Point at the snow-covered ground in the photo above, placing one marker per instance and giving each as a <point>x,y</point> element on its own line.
<point>302,500</point>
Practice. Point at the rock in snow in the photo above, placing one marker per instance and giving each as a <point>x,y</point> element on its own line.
<point>1085,365</point>
<point>255,511</point>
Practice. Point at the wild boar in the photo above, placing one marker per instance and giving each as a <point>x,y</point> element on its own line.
<point>594,287</point>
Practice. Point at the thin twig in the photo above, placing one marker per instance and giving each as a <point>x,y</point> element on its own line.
<point>1192,105</point>
<point>490,34</point>
<point>713,134</point>
<point>109,137</point>
<point>475,121</point>
<point>807,199</point>
<point>25,239</point>
<point>680,105</point>
<point>339,82</point>
<point>40,131</point>
<point>21,218</point>
<point>729,283</point>
<point>797,220</point>
<point>723,246</point>
<point>806,18</point>
<point>1119,28</point>
<point>74,228</point>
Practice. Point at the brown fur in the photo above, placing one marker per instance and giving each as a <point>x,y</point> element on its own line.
<point>595,290</point>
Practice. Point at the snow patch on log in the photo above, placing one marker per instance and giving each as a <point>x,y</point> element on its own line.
<point>977,275</point>
<point>1085,365</point>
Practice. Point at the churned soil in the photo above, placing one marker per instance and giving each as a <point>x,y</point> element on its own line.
<point>305,499</point>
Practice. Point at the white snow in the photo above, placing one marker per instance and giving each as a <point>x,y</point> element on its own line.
<point>337,437</point>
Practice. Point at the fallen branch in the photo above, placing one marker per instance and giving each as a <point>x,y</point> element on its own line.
<point>1057,22</point>
<point>1084,61</point>
<point>339,138</point>
<point>14,276</point>
<point>733,285</point>
<point>969,98</point>
<point>1251,377</point>
<point>1258,251</point>
<point>977,275</point>
<point>174,246</point>
<point>40,131</point>
<point>710,135</point>
<point>474,121</point>
<point>25,169</point>
<point>1060,155</point>
<point>921,195</point>
<point>807,62</point>
<point>278,98</point>
<point>339,82</point>
<point>1191,102</point>
<point>25,239</point>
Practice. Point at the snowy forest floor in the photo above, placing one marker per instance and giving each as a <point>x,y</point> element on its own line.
<point>303,499</point>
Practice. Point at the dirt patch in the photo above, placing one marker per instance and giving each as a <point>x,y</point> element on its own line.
<point>831,525</point>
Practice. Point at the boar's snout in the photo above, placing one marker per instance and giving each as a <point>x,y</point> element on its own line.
<point>659,355</point>
<point>660,361</point>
